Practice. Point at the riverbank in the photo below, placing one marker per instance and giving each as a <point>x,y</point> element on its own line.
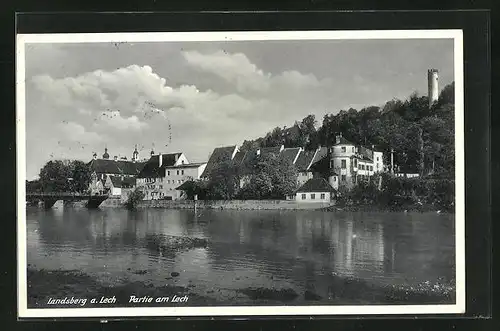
<point>388,209</point>
<point>44,285</point>
<point>235,204</point>
<point>276,205</point>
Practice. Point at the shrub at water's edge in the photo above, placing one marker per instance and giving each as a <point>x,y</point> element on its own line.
<point>399,193</point>
<point>134,197</point>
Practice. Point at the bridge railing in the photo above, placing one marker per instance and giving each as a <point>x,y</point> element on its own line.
<point>63,194</point>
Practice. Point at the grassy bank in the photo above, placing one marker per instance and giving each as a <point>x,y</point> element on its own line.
<point>45,284</point>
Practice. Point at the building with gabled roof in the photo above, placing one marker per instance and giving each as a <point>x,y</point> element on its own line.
<point>354,163</point>
<point>164,173</point>
<point>105,167</point>
<point>315,190</point>
<point>116,184</point>
<point>219,155</point>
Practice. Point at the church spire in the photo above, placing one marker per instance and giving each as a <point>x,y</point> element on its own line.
<point>135,155</point>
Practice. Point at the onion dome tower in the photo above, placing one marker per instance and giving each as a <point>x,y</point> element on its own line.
<point>135,155</point>
<point>105,155</point>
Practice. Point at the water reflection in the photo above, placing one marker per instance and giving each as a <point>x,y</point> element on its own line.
<point>246,248</point>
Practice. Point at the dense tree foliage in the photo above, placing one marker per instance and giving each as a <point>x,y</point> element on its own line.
<point>422,137</point>
<point>223,181</point>
<point>62,176</point>
<point>400,193</point>
<point>270,177</point>
<point>134,197</point>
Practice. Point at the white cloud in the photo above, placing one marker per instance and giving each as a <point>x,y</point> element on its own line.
<point>75,132</point>
<point>115,120</point>
<point>237,69</point>
<point>134,105</point>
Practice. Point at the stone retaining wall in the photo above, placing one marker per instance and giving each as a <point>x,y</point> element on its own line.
<point>233,204</point>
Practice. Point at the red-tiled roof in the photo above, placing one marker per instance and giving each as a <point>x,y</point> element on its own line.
<point>188,165</point>
<point>219,155</point>
<point>342,141</point>
<point>290,153</point>
<point>320,154</point>
<point>270,150</point>
<point>316,185</point>
<point>304,160</point>
<point>126,182</point>
<point>152,167</point>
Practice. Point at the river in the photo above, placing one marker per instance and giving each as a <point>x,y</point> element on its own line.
<point>297,250</point>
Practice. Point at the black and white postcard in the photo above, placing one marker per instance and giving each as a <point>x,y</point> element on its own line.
<point>240,173</point>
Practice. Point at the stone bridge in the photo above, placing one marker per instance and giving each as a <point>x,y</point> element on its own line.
<point>49,199</point>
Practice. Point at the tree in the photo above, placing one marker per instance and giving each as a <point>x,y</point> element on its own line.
<point>223,181</point>
<point>271,177</point>
<point>134,197</point>
<point>195,187</point>
<point>81,175</point>
<point>447,95</point>
<point>54,176</point>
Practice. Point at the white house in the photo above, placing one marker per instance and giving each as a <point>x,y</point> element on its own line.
<point>117,184</point>
<point>353,163</point>
<point>163,173</point>
<point>315,190</point>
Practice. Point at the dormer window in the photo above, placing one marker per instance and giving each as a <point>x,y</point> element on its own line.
<point>343,149</point>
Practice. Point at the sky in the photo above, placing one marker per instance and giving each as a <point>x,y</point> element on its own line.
<point>191,97</point>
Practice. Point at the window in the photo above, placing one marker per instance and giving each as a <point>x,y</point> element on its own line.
<point>161,187</point>
<point>371,168</point>
<point>177,172</point>
<point>353,149</point>
<point>182,161</point>
<point>334,178</point>
<point>303,196</point>
<point>182,172</point>
<point>343,178</point>
<point>343,164</point>
<point>331,163</point>
<point>355,163</point>
<point>377,158</point>
<point>313,196</point>
<point>343,149</point>
<point>168,173</point>
<point>322,196</point>
<point>362,166</point>
<point>179,181</point>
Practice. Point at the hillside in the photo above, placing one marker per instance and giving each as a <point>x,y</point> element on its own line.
<point>422,137</point>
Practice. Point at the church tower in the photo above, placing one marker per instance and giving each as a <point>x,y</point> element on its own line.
<point>105,156</point>
<point>135,155</point>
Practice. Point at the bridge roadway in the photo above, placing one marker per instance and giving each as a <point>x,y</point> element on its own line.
<point>49,199</point>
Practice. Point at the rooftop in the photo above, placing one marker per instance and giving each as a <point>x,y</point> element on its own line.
<point>219,155</point>
<point>118,167</point>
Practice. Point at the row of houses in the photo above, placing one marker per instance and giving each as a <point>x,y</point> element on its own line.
<point>320,172</point>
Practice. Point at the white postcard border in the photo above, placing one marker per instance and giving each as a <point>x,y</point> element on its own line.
<point>457,308</point>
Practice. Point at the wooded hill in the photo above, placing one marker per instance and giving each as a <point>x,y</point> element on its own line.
<point>422,137</point>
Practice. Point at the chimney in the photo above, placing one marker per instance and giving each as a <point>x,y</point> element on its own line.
<point>160,160</point>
